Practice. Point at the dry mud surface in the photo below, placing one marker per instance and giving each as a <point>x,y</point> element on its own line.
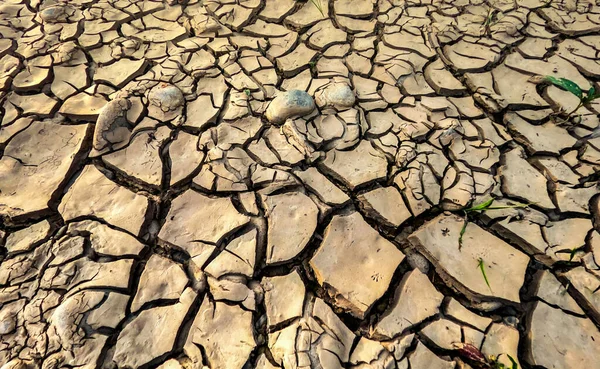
<point>253,184</point>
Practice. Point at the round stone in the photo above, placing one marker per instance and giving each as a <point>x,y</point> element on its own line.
<point>53,14</point>
<point>111,125</point>
<point>338,95</point>
<point>289,104</point>
<point>166,97</point>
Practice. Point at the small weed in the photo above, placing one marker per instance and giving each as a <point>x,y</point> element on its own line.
<point>319,6</point>
<point>481,266</point>
<point>585,97</point>
<point>490,19</point>
<point>247,92</point>
<point>478,360</point>
<point>313,63</point>
<point>574,251</point>
<point>513,362</point>
<point>483,207</point>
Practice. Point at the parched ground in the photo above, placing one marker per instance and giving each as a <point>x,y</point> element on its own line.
<point>243,184</point>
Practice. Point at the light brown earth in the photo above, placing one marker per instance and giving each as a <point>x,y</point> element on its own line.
<point>241,184</point>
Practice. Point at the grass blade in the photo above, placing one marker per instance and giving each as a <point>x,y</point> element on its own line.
<point>566,84</point>
<point>482,206</point>
<point>318,5</point>
<point>481,267</point>
<point>591,95</point>
<point>462,232</point>
<point>513,361</point>
<point>515,206</point>
<point>573,252</point>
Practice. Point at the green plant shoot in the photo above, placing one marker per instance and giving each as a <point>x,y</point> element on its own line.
<point>584,96</point>
<point>513,362</point>
<point>573,253</point>
<point>481,266</point>
<point>318,5</point>
<point>489,21</point>
<point>483,207</point>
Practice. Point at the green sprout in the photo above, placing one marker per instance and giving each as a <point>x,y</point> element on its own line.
<point>498,365</point>
<point>483,207</point>
<point>489,21</point>
<point>585,97</point>
<point>481,266</point>
<point>318,5</point>
<point>247,92</point>
<point>573,252</point>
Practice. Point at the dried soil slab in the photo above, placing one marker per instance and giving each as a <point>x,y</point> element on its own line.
<point>320,334</point>
<point>36,164</point>
<point>443,333</point>
<point>586,284</point>
<point>547,288</point>
<point>104,240</point>
<point>31,79</point>
<point>500,341</point>
<point>27,238</point>
<point>121,72</point>
<point>141,160</point>
<point>292,220</point>
<point>152,333</point>
<point>362,165</point>
<point>423,358</point>
<point>505,266</point>
<point>295,61</point>
<point>83,107</point>
<point>94,195</point>
<point>415,300</point>
<point>547,138</point>
<point>556,340</point>
<point>76,347</point>
<point>162,279</point>
<point>83,274</point>
<point>470,57</point>
<point>354,263</point>
<point>521,180</point>
<point>386,206</point>
<point>239,257</point>
<point>322,187</point>
<point>195,218</point>
<point>284,297</point>
<point>185,157</point>
<point>225,332</point>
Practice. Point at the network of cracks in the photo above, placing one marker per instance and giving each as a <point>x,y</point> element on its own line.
<point>236,184</point>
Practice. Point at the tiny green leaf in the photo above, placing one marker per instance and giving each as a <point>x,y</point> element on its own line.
<point>513,361</point>
<point>481,267</point>
<point>483,206</point>
<point>318,5</point>
<point>592,94</point>
<point>515,206</point>
<point>566,84</point>
<point>462,232</point>
<point>573,252</point>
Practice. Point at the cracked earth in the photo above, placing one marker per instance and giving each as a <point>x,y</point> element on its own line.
<point>241,184</point>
